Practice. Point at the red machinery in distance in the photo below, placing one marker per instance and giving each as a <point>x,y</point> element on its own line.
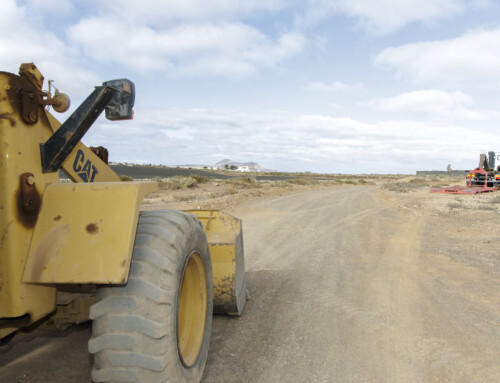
<point>480,180</point>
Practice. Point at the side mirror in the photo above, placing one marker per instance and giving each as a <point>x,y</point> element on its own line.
<point>120,106</point>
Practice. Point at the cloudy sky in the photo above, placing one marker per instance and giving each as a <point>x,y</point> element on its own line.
<point>335,86</point>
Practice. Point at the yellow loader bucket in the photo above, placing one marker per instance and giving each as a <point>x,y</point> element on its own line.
<point>225,240</point>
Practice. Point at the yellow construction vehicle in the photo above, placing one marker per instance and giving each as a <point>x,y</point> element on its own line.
<point>157,275</point>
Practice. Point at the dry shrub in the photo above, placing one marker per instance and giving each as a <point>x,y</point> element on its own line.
<point>200,179</point>
<point>404,187</point>
<point>244,183</point>
<point>302,181</point>
<point>298,181</point>
<point>222,193</point>
<point>184,197</point>
<point>282,184</point>
<point>176,182</point>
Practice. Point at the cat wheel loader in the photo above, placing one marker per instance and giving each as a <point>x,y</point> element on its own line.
<point>149,280</point>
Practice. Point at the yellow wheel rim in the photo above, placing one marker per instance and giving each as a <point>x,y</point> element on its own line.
<point>192,310</point>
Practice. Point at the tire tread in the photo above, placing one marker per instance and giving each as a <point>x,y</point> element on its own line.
<point>131,339</point>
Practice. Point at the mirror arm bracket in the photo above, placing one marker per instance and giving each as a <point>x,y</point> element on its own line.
<point>60,145</point>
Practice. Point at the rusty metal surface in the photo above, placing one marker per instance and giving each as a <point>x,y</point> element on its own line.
<point>31,72</point>
<point>100,152</point>
<point>225,239</point>
<point>28,200</point>
<point>463,190</point>
<point>24,98</point>
<point>29,196</point>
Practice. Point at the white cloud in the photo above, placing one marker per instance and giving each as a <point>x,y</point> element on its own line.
<point>470,60</point>
<point>167,12</point>
<point>228,38</point>
<point>292,141</point>
<point>225,49</point>
<point>53,8</point>
<point>387,16</point>
<point>431,103</point>
<point>149,36</point>
<point>23,39</point>
<point>335,86</point>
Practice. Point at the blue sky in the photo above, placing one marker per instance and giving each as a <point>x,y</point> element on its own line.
<point>339,86</point>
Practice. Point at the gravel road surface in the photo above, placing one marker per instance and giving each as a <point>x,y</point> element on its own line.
<point>346,286</point>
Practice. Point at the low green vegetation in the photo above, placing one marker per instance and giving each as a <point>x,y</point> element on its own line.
<point>176,182</point>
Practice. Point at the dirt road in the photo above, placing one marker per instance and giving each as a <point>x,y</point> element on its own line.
<point>345,289</point>
<point>347,285</point>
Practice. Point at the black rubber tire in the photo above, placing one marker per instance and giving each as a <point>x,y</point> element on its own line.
<point>134,330</point>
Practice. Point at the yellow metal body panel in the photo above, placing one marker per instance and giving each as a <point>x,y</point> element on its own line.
<point>94,223</point>
<point>85,233</point>
<point>19,151</point>
<point>225,240</point>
